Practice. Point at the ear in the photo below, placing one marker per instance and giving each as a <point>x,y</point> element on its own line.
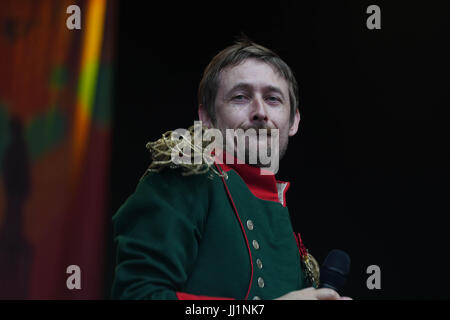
<point>294,127</point>
<point>204,117</point>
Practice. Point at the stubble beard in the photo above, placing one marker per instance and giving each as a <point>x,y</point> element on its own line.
<point>263,146</point>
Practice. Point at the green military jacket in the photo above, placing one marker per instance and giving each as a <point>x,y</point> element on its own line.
<point>197,237</point>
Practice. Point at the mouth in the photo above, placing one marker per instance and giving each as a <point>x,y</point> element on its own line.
<point>269,131</point>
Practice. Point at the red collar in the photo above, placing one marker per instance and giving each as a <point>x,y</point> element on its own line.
<point>263,186</point>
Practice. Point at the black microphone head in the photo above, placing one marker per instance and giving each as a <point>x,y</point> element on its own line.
<point>335,270</point>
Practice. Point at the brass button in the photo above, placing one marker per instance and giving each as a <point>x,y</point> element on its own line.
<point>250,224</point>
<point>261,282</point>
<point>255,244</point>
<point>259,263</point>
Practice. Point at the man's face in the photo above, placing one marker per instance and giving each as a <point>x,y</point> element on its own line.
<point>253,95</point>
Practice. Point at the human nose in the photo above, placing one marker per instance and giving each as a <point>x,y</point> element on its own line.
<point>259,112</point>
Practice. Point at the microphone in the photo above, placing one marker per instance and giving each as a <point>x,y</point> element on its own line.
<point>335,270</point>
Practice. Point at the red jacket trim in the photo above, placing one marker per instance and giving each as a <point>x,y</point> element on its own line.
<point>262,186</point>
<point>188,296</point>
<point>243,231</point>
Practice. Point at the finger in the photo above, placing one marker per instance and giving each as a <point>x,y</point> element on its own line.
<point>345,298</point>
<point>327,294</point>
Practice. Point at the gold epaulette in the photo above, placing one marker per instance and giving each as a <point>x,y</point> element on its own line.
<point>162,150</point>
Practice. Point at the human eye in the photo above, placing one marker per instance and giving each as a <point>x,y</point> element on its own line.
<point>239,98</point>
<point>274,99</point>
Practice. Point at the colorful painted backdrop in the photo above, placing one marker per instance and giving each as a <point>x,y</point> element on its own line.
<point>55,128</point>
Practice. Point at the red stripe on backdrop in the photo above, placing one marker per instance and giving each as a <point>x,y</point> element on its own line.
<point>77,237</point>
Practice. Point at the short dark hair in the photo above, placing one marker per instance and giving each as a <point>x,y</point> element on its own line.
<point>233,55</point>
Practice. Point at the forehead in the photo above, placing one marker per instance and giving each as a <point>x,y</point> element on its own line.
<point>254,72</point>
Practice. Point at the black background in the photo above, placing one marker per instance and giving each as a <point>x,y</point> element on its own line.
<point>369,167</point>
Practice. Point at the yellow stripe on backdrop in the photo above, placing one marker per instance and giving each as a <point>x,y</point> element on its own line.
<point>92,44</point>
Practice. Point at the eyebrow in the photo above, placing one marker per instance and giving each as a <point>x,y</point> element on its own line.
<point>247,86</point>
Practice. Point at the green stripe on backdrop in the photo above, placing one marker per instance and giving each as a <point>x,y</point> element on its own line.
<point>45,131</point>
<point>103,99</point>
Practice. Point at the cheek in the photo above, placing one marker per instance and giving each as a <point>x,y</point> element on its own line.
<point>228,118</point>
<point>284,133</point>
<point>282,123</point>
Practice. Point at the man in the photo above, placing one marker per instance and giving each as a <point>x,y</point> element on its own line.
<point>230,236</point>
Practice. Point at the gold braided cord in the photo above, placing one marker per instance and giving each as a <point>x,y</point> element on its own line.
<point>161,152</point>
